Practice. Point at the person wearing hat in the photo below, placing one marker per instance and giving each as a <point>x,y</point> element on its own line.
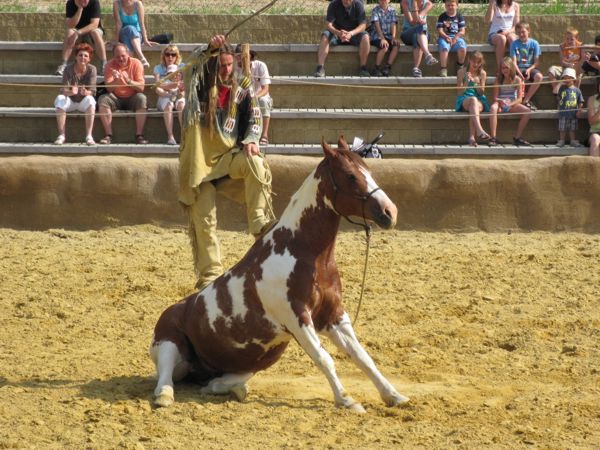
<point>570,101</point>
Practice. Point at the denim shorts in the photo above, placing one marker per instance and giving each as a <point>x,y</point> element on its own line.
<point>354,40</point>
<point>567,123</point>
<point>409,37</point>
<point>444,46</point>
<point>127,34</point>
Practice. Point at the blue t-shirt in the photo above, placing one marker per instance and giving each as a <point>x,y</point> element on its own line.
<point>451,25</point>
<point>569,99</point>
<point>526,52</point>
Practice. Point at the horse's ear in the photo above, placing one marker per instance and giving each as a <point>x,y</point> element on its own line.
<point>329,152</point>
<point>342,142</point>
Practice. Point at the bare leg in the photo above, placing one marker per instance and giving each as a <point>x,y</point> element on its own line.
<point>323,51</point>
<point>140,121</point>
<point>61,120</point>
<point>137,48</point>
<point>525,112</point>
<point>493,119</point>
<point>106,119</point>
<point>499,43</point>
<point>68,44</point>
<point>594,144</point>
<point>99,44</point>
<point>533,87</point>
<point>363,50</point>
<point>168,118</point>
<point>417,55</point>
<point>461,54</point>
<point>265,132</point>
<point>379,56</point>
<point>444,59</point>
<point>393,54</point>
<point>89,120</point>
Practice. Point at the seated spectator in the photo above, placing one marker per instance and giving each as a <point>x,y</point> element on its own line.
<point>593,115</point>
<point>470,82</point>
<point>591,63</point>
<point>508,98</point>
<point>171,93</point>
<point>258,72</point>
<point>124,80</point>
<point>570,101</point>
<point>346,25</point>
<point>503,16</point>
<point>384,26</point>
<point>130,27</point>
<point>526,54</point>
<point>79,81</point>
<point>571,55</point>
<point>451,30</point>
<point>83,24</point>
<point>414,32</point>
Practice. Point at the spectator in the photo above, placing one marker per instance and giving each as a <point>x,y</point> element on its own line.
<point>130,27</point>
<point>220,154</point>
<point>79,81</point>
<point>451,30</point>
<point>593,114</point>
<point>570,101</point>
<point>526,54</point>
<point>346,25</point>
<point>83,23</point>
<point>124,80</point>
<point>171,93</point>
<point>503,16</point>
<point>570,56</point>
<point>414,32</point>
<point>259,74</point>
<point>471,86</point>
<point>507,98</point>
<point>384,28</point>
<point>591,63</point>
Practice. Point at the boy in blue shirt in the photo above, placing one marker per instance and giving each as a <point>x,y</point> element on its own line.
<point>384,26</point>
<point>526,54</point>
<point>570,101</point>
<point>451,30</point>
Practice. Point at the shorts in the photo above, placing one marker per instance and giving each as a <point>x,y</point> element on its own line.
<point>567,123</point>
<point>266,105</point>
<point>127,34</point>
<point>375,42</point>
<point>87,37</point>
<point>354,40</point>
<point>65,103</point>
<point>133,103</point>
<point>532,74</point>
<point>444,46</point>
<point>409,37</point>
<point>491,35</point>
<point>163,102</point>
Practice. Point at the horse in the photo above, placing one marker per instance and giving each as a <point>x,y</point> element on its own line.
<point>286,286</point>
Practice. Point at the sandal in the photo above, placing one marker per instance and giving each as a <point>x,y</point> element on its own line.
<point>89,140</point>
<point>263,141</point>
<point>106,140</point>
<point>140,139</point>
<point>484,137</point>
<point>519,142</point>
<point>472,142</point>
<point>493,142</point>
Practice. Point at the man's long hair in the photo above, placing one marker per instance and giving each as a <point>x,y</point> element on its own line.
<point>225,49</point>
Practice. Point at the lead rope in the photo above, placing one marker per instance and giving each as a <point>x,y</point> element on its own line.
<point>364,277</point>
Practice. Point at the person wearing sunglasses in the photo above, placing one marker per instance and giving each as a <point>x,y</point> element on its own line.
<point>171,93</point>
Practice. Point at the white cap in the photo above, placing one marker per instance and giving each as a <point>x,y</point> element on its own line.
<point>569,72</point>
<point>172,68</point>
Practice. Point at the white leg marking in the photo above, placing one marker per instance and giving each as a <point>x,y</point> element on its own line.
<point>230,382</point>
<point>169,365</point>
<point>343,336</point>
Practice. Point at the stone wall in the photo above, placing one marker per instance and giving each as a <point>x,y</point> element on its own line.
<point>271,29</point>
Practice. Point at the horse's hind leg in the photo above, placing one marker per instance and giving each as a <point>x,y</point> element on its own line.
<point>170,365</point>
<point>234,383</point>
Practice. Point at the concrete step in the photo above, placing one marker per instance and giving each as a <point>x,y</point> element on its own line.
<point>18,57</point>
<point>299,126</point>
<point>389,151</point>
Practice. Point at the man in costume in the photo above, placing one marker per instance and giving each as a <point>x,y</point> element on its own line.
<point>219,153</point>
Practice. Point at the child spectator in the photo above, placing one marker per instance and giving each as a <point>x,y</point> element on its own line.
<point>470,82</point>
<point>171,93</point>
<point>503,16</point>
<point>570,56</point>
<point>384,26</point>
<point>570,101</point>
<point>451,30</point>
<point>414,32</point>
<point>526,54</point>
<point>593,107</point>
<point>591,63</point>
<point>508,96</point>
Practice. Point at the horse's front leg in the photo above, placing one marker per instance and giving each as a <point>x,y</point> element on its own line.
<point>308,339</point>
<point>343,337</point>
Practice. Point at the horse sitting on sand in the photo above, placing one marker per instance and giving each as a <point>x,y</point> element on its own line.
<point>287,286</point>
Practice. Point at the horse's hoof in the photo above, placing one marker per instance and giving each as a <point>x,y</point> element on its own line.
<point>397,400</point>
<point>357,408</point>
<point>240,391</point>
<point>352,405</point>
<point>165,397</point>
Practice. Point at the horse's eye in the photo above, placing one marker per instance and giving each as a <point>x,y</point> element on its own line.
<point>352,178</point>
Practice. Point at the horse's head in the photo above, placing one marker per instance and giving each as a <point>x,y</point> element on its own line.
<point>354,192</point>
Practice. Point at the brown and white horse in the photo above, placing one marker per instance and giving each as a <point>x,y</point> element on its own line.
<point>287,286</point>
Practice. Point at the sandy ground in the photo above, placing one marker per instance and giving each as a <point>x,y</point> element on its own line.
<point>493,336</point>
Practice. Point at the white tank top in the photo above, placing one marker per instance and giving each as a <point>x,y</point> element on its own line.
<point>502,21</point>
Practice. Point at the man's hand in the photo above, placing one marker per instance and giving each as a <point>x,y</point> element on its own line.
<point>217,41</point>
<point>251,149</point>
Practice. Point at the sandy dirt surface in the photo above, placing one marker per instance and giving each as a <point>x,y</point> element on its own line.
<point>493,336</point>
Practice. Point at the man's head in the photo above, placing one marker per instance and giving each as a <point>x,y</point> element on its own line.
<point>522,29</point>
<point>82,3</point>
<point>451,7</point>
<point>226,63</point>
<point>121,54</point>
<point>347,3</point>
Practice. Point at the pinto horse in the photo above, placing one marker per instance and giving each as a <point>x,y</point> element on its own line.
<point>287,286</point>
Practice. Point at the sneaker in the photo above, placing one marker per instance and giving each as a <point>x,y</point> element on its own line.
<point>443,72</point>
<point>90,140</point>
<point>60,69</point>
<point>145,63</point>
<point>530,105</point>
<point>576,144</point>
<point>416,72</point>
<point>171,141</point>
<point>386,70</point>
<point>377,72</point>
<point>430,60</point>
<point>520,142</point>
<point>364,72</point>
<point>560,143</point>
<point>320,71</point>
<point>60,140</point>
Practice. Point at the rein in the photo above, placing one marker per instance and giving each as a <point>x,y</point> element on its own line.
<point>365,226</point>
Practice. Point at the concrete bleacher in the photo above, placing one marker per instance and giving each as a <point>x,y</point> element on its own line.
<point>416,114</point>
